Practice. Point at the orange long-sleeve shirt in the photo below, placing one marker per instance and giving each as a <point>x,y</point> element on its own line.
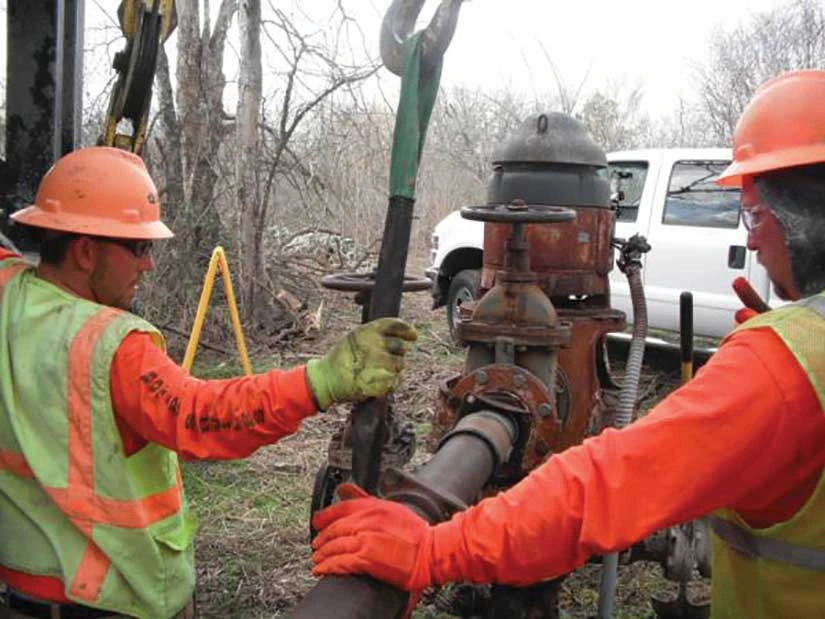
<point>156,400</point>
<point>746,433</point>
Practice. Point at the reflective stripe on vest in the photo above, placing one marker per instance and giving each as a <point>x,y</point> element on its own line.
<point>11,461</point>
<point>816,304</point>
<point>750,546</point>
<point>78,500</point>
<point>9,270</point>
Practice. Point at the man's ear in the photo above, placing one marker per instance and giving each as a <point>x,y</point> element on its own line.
<point>83,251</point>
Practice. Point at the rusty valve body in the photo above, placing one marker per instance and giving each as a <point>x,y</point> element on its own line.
<point>546,309</point>
<point>534,339</point>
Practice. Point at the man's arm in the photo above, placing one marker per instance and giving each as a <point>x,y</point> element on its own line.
<point>155,400</point>
<point>229,418</point>
<point>745,433</point>
<point>724,439</point>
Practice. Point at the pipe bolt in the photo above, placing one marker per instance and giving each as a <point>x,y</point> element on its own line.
<point>519,381</point>
<point>482,377</point>
<point>545,410</point>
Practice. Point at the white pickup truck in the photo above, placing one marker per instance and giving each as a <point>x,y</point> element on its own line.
<point>667,195</point>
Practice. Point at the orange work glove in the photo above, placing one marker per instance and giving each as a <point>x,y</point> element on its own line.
<point>372,536</point>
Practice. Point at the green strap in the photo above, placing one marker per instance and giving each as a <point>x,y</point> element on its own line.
<point>418,93</point>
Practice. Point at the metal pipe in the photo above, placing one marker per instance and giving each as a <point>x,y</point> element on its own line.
<point>633,368</point>
<point>77,69</point>
<point>458,464</point>
<point>624,415</point>
<point>59,82</point>
<point>463,464</point>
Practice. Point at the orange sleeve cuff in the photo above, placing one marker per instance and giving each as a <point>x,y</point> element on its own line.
<point>156,400</point>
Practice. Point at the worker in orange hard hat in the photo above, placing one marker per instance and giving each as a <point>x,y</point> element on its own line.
<point>743,441</point>
<point>779,146</point>
<point>92,199</point>
<point>93,413</point>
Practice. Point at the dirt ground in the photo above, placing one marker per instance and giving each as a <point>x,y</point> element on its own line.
<point>252,549</point>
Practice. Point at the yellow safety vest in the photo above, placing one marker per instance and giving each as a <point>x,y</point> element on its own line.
<point>777,572</point>
<point>73,506</point>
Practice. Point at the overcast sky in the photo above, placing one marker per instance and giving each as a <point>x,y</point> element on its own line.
<point>504,43</point>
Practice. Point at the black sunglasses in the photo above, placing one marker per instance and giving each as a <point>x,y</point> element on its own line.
<point>138,247</point>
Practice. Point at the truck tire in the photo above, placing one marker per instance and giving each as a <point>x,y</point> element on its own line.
<point>463,288</point>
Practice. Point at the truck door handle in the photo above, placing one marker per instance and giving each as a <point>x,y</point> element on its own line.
<point>736,256</point>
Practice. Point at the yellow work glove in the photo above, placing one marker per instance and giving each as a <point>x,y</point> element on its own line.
<point>365,364</point>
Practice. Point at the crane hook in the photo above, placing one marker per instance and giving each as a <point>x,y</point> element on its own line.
<point>398,24</point>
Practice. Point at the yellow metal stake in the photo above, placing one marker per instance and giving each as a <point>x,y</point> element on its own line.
<point>217,263</point>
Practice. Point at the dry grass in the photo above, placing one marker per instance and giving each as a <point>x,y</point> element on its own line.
<point>252,549</point>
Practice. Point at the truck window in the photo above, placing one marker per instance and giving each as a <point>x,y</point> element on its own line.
<point>627,180</point>
<point>694,199</point>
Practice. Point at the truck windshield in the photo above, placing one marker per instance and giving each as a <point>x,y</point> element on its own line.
<point>627,180</point>
<point>694,199</point>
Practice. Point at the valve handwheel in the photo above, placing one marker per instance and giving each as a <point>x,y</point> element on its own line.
<point>365,282</point>
<point>517,212</point>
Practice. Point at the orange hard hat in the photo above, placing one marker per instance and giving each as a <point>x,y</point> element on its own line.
<point>782,126</point>
<point>100,191</point>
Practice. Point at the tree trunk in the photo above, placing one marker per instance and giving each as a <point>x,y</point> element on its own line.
<point>246,130</point>
<point>187,172</point>
<point>170,146</point>
<point>200,115</point>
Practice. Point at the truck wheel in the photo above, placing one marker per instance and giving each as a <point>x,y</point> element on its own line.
<point>463,288</point>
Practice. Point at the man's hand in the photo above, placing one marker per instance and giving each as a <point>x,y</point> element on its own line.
<point>372,536</point>
<point>364,364</point>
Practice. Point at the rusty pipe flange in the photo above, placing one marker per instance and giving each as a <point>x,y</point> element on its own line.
<point>559,335</point>
<point>432,503</point>
<point>514,380</point>
<point>537,423</point>
<point>365,282</point>
<point>491,429</point>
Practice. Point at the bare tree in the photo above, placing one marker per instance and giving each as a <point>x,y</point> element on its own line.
<point>311,64</point>
<point>186,136</point>
<point>613,117</point>
<point>766,44</point>
<point>469,124</point>
<point>247,187</point>
<point>220,174</point>
<point>685,126</point>
<point>569,96</point>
